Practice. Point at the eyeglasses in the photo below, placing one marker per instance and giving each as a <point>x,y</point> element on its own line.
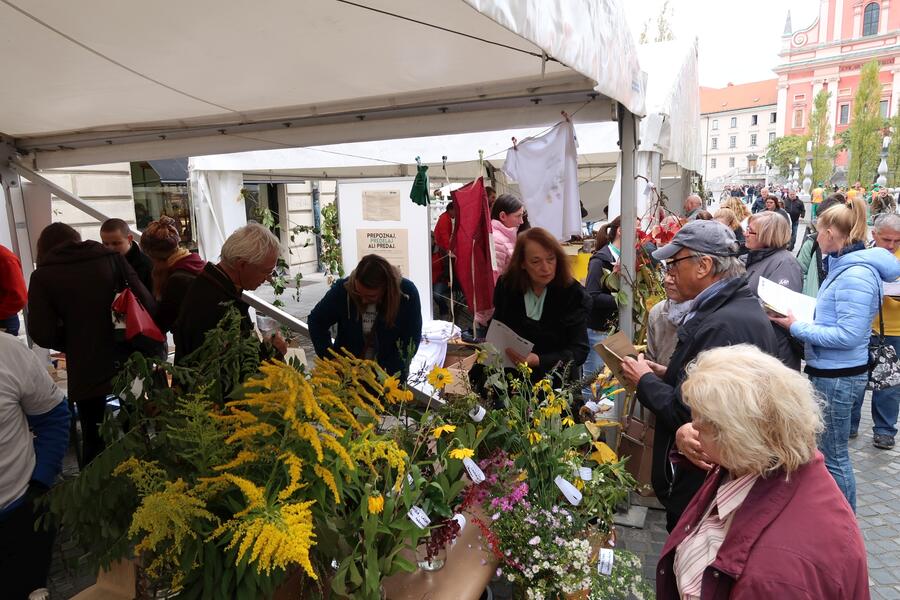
<point>749,231</point>
<point>668,264</point>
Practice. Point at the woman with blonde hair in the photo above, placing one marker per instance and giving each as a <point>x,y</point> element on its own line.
<point>739,208</point>
<point>836,343</point>
<point>726,217</point>
<point>769,521</point>
<point>377,314</point>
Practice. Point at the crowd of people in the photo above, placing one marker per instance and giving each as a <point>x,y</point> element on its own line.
<point>760,448</point>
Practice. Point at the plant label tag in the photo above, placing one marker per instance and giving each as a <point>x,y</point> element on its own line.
<point>569,491</point>
<point>477,413</point>
<point>592,406</point>
<point>461,519</point>
<point>605,561</point>
<point>586,473</point>
<point>418,517</point>
<point>606,405</point>
<point>137,387</point>
<point>474,471</point>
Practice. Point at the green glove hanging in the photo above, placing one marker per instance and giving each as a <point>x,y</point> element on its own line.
<point>419,192</point>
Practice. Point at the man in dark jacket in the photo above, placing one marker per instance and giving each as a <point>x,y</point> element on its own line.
<point>797,210</point>
<point>759,204</point>
<point>69,301</point>
<point>248,258</point>
<point>117,237</point>
<point>701,261</point>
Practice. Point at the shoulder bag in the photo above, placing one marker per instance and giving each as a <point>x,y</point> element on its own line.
<point>884,367</point>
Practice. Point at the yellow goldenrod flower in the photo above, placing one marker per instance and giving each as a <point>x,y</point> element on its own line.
<point>255,495</point>
<point>376,504</point>
<point>295,471</point>
<point>534,437</point>
<point>439,378</point>
<point>461,453</point>
<point>328,477</point>
<point>260,429</point>
<point>439,431</point>
<point>243,457</point>
<point>275,538</point>
<point>568,421</point>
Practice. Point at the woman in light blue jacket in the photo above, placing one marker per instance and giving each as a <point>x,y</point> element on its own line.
<point>837,341</point>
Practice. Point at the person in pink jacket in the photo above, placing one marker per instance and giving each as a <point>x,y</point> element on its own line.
<point>770,521</point>
<point>507,214</point>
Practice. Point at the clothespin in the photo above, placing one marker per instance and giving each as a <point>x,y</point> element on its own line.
<point>515,144</point>
<point>565,116</point>
<point>444,167</point>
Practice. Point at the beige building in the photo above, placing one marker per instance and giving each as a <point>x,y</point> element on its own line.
<point>737,122</point>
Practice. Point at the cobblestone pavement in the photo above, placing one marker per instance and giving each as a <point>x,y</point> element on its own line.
<point>878,496</point>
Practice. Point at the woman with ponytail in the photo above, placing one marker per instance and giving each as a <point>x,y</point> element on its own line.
<point>604,310</point>
<point>837,341</point>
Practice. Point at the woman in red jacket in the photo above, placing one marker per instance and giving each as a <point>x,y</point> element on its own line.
<point>769,522</point>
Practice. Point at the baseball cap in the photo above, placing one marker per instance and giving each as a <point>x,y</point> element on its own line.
<point>706,237</point>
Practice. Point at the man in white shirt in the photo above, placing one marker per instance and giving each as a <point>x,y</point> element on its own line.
<point>34,435</point>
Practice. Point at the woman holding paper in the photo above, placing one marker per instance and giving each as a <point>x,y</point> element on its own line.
<point>837,341</point>
<point>768,236</point>
<point>538,298</point>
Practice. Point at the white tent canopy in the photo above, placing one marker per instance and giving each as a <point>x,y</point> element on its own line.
<point>98,83</point>
<point>95,85</point>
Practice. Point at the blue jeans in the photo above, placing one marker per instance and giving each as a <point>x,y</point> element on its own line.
<point>593,362</point>
<point>885,403</point>
<point>839,395</point>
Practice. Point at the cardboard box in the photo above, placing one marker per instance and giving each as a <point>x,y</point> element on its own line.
<point>459,361</point>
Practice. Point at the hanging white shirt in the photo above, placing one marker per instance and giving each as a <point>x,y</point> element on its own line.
<point>546,169</point>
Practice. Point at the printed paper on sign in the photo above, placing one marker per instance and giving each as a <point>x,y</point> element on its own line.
<point>474,471</point>
<point>418,517</point>
<point>605,561</point>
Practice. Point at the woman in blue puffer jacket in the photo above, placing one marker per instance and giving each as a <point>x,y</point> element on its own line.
<point>837,341</point>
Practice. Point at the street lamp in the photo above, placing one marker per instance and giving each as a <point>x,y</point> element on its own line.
<point>807,179</point>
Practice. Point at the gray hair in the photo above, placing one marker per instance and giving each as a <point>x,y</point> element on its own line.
<point>887,221</point>
<point>724,267</point>
<point>252,243</point>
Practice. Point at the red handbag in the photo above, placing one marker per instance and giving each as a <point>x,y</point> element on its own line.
<point>129,313</point>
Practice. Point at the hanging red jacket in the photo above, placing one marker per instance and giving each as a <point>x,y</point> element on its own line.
<point>471,245</point>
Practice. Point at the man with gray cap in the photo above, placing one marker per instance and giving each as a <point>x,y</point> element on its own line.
<point>701,263</point>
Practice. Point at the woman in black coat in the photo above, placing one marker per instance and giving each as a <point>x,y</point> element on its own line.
<point>69,301</point>
<point>538,298</point>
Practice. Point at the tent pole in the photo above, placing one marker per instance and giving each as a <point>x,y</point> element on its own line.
<point>628,143</point>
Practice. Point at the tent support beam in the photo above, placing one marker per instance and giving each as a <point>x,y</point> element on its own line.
<point>253,300</point>
<point>628,141</point>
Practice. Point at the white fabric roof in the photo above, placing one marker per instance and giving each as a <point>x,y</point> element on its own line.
<point>396,158</point>
<point>672,124</point>
<point>101,81</point>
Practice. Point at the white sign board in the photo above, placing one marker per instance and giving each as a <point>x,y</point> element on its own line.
<point>377,217</point>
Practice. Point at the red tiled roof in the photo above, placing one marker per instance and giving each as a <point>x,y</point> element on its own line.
<point>733,97</point>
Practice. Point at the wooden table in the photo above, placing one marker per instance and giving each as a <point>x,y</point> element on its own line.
<point>464,576</point>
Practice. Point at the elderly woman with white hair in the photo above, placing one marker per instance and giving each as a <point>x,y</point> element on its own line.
<point>248,259</point>
<point>769,522</point>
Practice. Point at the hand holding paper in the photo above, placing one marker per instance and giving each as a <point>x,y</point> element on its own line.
<point>783,301</point>
<point>504,340</point>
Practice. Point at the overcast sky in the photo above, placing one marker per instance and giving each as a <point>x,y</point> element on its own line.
<point>739,39</point>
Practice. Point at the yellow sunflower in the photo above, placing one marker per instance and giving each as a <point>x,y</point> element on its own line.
<point>439,431</point>
<point>376,504</point>
<point>394,393</point>
<point>439,378</point>
<point>461,453</point>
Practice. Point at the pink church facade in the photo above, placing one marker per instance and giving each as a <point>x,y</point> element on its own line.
<point>829,53</point>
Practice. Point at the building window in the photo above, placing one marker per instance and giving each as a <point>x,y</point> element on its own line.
<point>798,118</point>
<point>843,114</point>
<point>752,139</point>
<point>712,163</point>
<point>870,19</point>
<point>732,141</point>
<point>771,136</point>
<point>754,120</point>
<point>731,161</point>
<point>799,97</point>
<point>773,117</point>
<point>883,109</point>
<point>715,123</point>
<point>715,143</point>
<point>734,121</point>
<point>160,188</point>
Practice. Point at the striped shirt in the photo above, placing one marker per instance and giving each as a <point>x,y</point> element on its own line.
<point>699,549</point>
